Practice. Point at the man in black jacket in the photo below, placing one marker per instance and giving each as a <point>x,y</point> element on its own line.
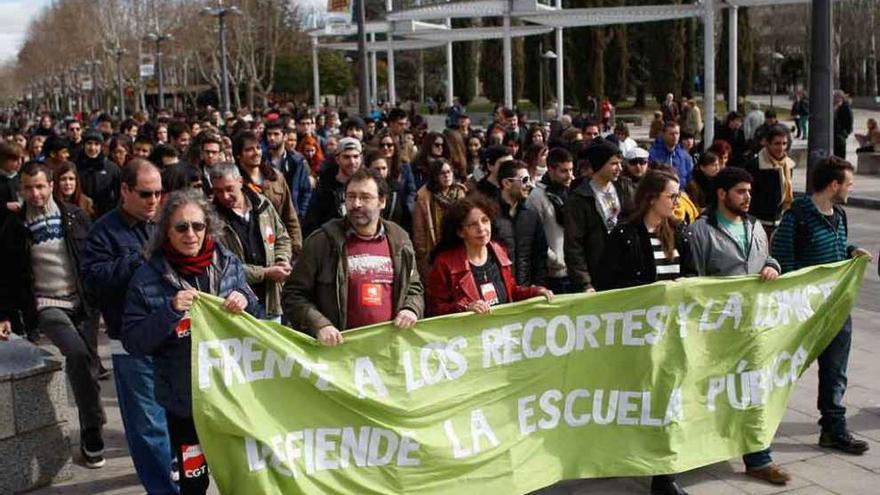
<point>99,176</point>
<point>843,123</point>
<point>519,227</point>
<point>43,240</point>
<point>328,200</point>
<point>593,209</point>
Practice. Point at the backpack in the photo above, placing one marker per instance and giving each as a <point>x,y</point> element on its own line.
<point>802,233</point>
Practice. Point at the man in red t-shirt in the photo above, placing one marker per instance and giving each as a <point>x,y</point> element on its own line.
<point>355,271</point>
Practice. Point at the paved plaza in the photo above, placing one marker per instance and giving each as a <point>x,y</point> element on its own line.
<point>814,470</point>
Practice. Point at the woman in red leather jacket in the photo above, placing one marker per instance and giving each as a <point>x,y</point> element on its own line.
<point>470,272</point>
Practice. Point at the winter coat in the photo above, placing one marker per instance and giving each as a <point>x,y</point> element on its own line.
<point>715,253</point>
<point>296,172</point>
<point>276,247</point>
<point>426,231</point>
<point>628,258</point>
<point>316,294</point>
<point>554,232</point>
<point>451,284</point>
<point>681,160</point>
<point>18,283</point>
<point>772,191</point>
<point>113,252</point>
<point>328,201</point>
<point>152,327</point>
<point>523,236</point>
<point>586,232</point>
<point>277,192</point>
<point>100,179</point>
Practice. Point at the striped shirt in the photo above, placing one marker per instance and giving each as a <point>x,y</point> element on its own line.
<point>667,269</point>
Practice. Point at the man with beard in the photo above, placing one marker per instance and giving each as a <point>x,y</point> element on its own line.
<point>519,227</point>
<point>548,201</point>
<point>727,241</point>
<point>290,163</point>
<point>813,232</point>
<point>375,282</point>
<point>99,176</point>
<point>74,137</point>
<point>328,202</point>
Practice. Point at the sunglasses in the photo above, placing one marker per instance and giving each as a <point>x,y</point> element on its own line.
<point>438,144</point>
<point>149,194</point>
<point>386,145</point>
<point>183,227</point>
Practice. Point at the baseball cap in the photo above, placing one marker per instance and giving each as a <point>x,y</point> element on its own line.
<point>636,153</point>
<point>348,144</point>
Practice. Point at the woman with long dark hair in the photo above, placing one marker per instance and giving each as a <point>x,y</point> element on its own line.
<point>700,186</point>
<point>69,190</point>
<point>470,271</point>
<point>651,246</point>
<point>434,145</point>
<point>183,260</point>
<point>474,154</point>
<point>120,150</point>
<point>457,153</point>
<point>536,160</point>
<point>398,169</point>
<point>441,191</point>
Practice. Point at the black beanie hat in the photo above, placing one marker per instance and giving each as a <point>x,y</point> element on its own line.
<point>599,152</point>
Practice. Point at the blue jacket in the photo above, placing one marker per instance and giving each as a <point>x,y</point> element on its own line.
<point>113,251</point>
<point>149,323</point>
<point>678,158</point>
<point>296,171</point>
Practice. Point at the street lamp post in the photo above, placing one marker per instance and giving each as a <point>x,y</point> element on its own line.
<point>548,55</point>
<point>158,37</point>
<point>220,12</point>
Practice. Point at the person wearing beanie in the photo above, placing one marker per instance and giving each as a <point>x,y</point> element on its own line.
<point>100,177</point>
<point>353,127</point>
<point>593,209</point>
<point>56,151</point>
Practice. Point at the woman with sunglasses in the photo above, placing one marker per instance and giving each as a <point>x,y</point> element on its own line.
<point>433,146</point>
<point>67,188</point>
<point>470,271</point>
<point>433,199</point>
<point>183,261</point>
<point>398,169</point>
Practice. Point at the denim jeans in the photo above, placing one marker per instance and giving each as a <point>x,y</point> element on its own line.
<point>146,429</point>
<point>832,381</point>
<point>757,460</point>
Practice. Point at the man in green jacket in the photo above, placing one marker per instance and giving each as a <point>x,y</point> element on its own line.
<point>355,271</point>
<point>255,233</point>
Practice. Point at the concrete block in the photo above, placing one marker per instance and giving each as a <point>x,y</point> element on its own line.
<point>7,411</point>
<point>868,164</point>
<point>40,401</point>
<point>36,458</point>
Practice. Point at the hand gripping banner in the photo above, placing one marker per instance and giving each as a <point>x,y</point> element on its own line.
<point>656,379</point>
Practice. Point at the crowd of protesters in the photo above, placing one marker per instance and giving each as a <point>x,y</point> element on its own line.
<point>328,222</point>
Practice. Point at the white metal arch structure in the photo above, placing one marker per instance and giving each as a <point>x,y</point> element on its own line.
<point>410,25</point>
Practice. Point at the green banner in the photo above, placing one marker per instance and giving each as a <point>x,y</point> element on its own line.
<point>656,379</point>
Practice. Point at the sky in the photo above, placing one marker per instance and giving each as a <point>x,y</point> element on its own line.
<point>15,15</point>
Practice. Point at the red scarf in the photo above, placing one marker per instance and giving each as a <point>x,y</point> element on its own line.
<point>190,265</point>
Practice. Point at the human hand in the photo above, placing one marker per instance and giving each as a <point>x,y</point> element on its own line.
<point>861,252</point>
<point>183,300</point>
<point>330,336</point>
<point>547,293</point>
<point>13,206</point>
<point>589,290</point>
<point>5,329</point>
<point>235,302</point>
<point>769,273</point>
<point>276,273</point>
<point>479,307</point>
<point>405,319</point>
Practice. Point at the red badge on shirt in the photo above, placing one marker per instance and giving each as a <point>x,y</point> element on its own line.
<point>371,295</point>
<point>183,326</point>
<point>270,235</point>
<point>490,295</point>
<point>193,461</point>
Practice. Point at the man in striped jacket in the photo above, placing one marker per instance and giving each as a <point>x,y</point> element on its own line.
<point>817,226</point>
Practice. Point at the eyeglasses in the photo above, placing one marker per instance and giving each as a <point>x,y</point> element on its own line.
<point>386,145</point>
<point>183,227</point>
<point>363,198</point>
<point>438,144</point>
<point>673,196</point>
<point>149,194</point>
<point>638,161</point>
